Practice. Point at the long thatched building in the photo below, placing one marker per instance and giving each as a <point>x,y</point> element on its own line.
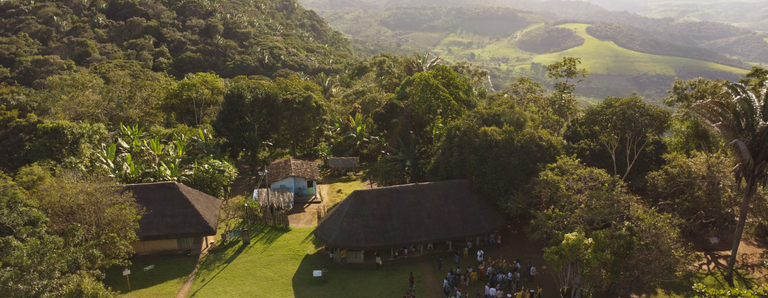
<point>178,219</point>
<point>411,216</point>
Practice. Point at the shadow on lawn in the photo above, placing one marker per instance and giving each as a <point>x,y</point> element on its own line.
<point>304,284</point>
<point>714,277</point>
<point>261,235</point>
<point>164,270</point>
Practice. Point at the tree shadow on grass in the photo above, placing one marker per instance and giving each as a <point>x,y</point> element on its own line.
<point>261,236</point>
<point>710,272</point>
<point>216,258</point>
<point>267,235</point>
<point>304,284</point>
<point>163,270</point>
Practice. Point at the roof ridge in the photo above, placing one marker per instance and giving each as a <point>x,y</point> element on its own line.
<point>195,203</point>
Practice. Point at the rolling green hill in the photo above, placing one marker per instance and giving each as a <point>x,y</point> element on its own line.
<point>605,57</point>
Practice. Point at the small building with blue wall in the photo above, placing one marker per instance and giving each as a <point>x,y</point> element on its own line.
<point>299,176</point>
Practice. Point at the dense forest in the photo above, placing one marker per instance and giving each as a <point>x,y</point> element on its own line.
<point>549,39</point>
<point>97,94</point>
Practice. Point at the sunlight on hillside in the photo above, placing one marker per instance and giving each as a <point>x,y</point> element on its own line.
<point>605,57</point>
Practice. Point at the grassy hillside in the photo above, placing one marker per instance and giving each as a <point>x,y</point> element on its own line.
<point>605,57</point>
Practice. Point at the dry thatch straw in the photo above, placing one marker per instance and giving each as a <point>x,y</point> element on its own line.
<point>279,199</point>
<point>343,162</point>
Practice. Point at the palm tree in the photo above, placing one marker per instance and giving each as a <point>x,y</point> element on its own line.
<point>419,63</point>
<point>741,118</point>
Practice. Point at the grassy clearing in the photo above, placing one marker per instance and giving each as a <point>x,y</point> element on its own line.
<point>164,280</point>
<point>340,187</point>
<point>279,263</point>
<point>766,39</point>
<point>605,57</point>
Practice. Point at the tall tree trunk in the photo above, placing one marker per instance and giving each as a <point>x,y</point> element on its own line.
<point>748,191</point>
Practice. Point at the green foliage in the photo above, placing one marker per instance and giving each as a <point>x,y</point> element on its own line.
<point>94,217</point>
<point>739,115</point>
<point>697,190</point>
<point>619,134</point>
<point>258,37</point>
<point>288,114</point>
<point>35,262</point>
<point>549,39</point>
<point>630,246</point>
<point>756,291</point>
<point>496,173</point>
<point>135,157</point>
<point>194,99</point>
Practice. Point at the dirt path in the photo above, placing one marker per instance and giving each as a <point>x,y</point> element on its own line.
<point>184,291</point>
<point>430,280</point>
<point>308,215</point>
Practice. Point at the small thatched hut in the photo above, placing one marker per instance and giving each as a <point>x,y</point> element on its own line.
<point>178,218</point>
<point>411,216</point>
<point>343,164</point>
<point>298,176</point>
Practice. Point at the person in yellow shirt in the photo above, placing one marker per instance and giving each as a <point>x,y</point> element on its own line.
<point>473,277</point>
<point>343,256</point>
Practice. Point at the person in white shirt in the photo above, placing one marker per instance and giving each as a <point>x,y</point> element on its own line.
<point>492,292</point>
<point>487,290</point>
<point>533,273</point>
<point>480,255</point>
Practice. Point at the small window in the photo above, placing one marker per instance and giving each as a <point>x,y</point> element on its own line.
<point>310,184</point>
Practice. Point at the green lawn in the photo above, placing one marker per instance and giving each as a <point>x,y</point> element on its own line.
<point>279,263</point>
<point>164,280</point>
<point>605,57</point>
<point>766,39</point>
<point>340,187</point>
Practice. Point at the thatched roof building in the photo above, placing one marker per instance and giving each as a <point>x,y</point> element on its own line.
<point>174,210</point>
<point>343,162</point>
<point>289,167</point>
<point>411,214</point>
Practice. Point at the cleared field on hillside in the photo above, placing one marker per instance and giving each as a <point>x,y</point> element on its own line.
<point>606,57</point>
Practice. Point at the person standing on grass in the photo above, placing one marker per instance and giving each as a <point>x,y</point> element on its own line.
<point>378,260</point>
<point>480,254</point>
<point>487,290</point>
<point>343,256</point>
<point>533,273</point>
<point>411,280</point>
<point>492,292</point>
<point>528,269</point>
<point>456,255</point>
<point>440,264</point>
<point>325,273</point>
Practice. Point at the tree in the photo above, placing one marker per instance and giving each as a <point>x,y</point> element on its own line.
<point>697,190</point>
<point>562,102</point>
<point>194,99</point>
<point>622,128</point>
<point>624,245</point>
<point>93,216</point>
<point>740,115</point>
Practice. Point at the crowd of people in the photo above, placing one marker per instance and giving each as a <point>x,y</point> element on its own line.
<point>500,277</point>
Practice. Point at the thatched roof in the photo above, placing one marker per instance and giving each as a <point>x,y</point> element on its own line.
<point>281,198</point>
<point>408,214</point>
<point>174,210</point>
<point>289,167</point>
<point>343,162</point>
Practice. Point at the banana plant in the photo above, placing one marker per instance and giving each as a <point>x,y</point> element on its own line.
<point>206,145</point>
<point>132,171</point>
<point>105,158</point>
<point>155,148</point>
